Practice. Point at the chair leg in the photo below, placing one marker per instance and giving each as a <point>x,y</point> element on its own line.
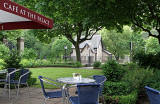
<point>5,88</point>
<point>9,91</point>
<point>18,90</point>
<point>103,100</point>
<point>28,90</point>
<point>45,100</point>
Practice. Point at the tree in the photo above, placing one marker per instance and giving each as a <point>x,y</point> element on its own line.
<point>58,47</point>
<point>152,46</point>
<point>119,43</point>
<point>70,20</point>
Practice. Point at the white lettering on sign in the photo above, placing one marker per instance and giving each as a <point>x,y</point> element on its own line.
<point>43,20</point>
<point>11,7</point>
<point>25,13</point>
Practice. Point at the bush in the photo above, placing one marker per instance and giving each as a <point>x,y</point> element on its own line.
<point>153,80</point>
<point>136,77</point>
<point>117,88</point>
<point>97,64</point>
<point>132,66</point>
<point>13,61</point>
<point>148,60</point>
<point>29,54</point>
<point>4,51</point>
<point>2,64</point>
<point>77,64</point>
<point>123,99</point>
<point>113,71</point>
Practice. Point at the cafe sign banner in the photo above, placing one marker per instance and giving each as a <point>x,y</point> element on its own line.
<point>14,16</point>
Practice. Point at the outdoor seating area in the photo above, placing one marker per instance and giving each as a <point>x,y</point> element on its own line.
<point>79,52</point>
<point>88,89</point>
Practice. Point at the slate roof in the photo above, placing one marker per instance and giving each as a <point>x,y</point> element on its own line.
<point>93,43</point>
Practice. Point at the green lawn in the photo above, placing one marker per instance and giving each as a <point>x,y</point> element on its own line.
<point>55,73</point>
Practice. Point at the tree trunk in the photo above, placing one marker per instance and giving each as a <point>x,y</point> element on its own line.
<point>78,54</point>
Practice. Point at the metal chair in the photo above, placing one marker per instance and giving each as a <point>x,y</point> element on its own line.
<point>53,94</point>
<point>153,95</point>
<point>87,94</point>
<point>100,79</point>
<point>10,78</point>
<point>24,75</point>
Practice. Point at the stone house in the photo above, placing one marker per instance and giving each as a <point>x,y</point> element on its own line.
<point>92,50</point>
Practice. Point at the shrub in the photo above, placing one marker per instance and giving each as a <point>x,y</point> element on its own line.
<point>148,60</point>
<point>29,54</point>
<point>123,99</point>
<point>13,61</point>
<point>4,52</point>
<point>97,64</point>
<point>27,63</point>
<point>77,64</point>
<point>136,77</point>
<point>153,80</point>
<point>117,88</point>
<point>113,71</point>
<point>132,66</point>
<point>2,64</point>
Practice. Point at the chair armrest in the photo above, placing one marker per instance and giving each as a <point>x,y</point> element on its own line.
<point>13,72</point>
<point>50,82</point>
<point>23,76</point>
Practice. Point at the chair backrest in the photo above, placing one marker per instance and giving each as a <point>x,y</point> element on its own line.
<point>24,75</point>
<point>88,93</point>
<point>42,85</point>
<point>153,95</point>
<point>100,79</point>
<point>12,76</point>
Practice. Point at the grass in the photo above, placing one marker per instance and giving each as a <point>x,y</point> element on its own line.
<point>55,73</point>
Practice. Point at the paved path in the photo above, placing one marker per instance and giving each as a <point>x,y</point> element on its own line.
<point>34,96</point>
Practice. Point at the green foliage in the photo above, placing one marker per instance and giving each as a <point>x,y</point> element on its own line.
<point>113,71</point>
<point>58,47</point>
<point>153,80</point>
<point>35,63</point>
<point>132,66</point>
<point>97,64</point>
<point>152,46</point>
<point>29,54</point>
<point>148,60</point>
<point>77,64</point>
<point>124,99</point>
<point>117,88</point>
<point>13,61</point>
<point>2,64</point>
<point>119,43</point>
<point>4,51</point>
<point>136,77</point>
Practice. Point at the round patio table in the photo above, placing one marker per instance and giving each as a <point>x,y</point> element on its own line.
<point>72,81</point>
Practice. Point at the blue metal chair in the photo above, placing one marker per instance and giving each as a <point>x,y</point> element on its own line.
<point>100,79</point>
<point>153,95</point>
<point>87,94</point>
<point>24,75</point>
<point>10,78</point>
<point>53,94</point>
